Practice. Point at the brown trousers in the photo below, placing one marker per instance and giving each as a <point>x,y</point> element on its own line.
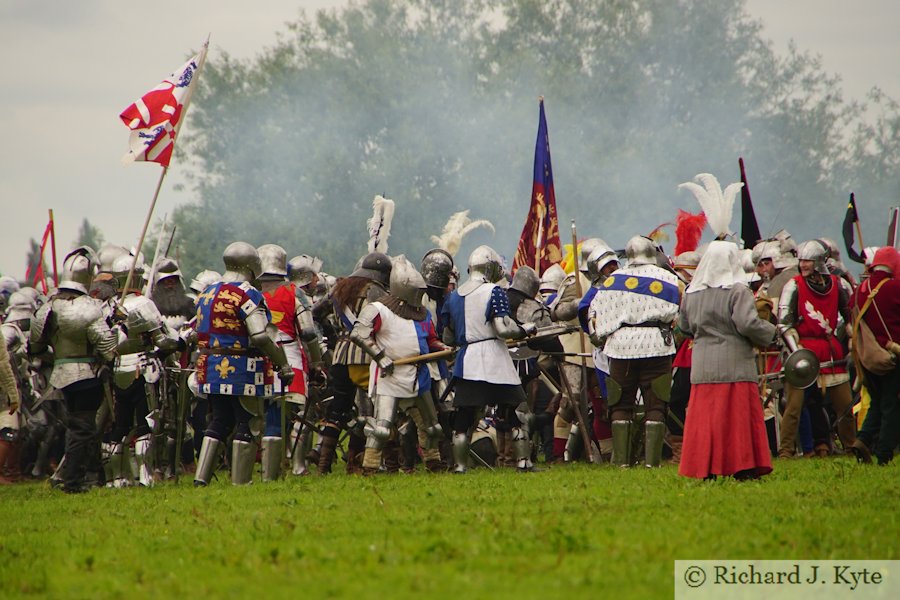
<point>841,400</point>
<point>638,374</point>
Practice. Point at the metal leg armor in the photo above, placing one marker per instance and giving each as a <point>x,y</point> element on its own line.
<point>117,476</point>
<point>206,461</point>
<point>460,453</point>
<point>522,449</point>
<point>272,453</point>
<point>243,457</point>
<point>573,442</point>
<point>171,458</point>
<point>430,425</point>
<point>385,417</point>
<point>142,453</point>
<point>654,434</point>
<point>300,441</point>
<point>621,436</point>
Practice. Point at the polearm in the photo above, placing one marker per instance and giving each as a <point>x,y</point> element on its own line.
<point>171,239</point>
<point>540,334</point>
<point>53,247</point>
<point>153,267</point>
<point>162,175</point>
<point>540,237</point>
<point>862,245</point>
<point>586,440</point>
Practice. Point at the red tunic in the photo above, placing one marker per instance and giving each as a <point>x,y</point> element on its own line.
<point>817,319</point>
<point>282,304</point>
<point>887,301</point>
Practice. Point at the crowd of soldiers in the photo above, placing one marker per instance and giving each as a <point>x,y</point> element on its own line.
<point>124,375</point>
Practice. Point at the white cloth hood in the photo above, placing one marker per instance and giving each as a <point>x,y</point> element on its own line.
<point>720,267</point>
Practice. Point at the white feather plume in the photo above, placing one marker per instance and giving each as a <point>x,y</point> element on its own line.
<point>457,227</point>
<point>380,224</point>
<point>716,204</point>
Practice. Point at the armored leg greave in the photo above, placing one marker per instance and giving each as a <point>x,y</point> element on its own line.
<point>654,433</point>
<point>118,471</point>
<point>142,453</point>
<point>272,453</point>
<point>522,448</point>
<point>573,442</point>
<point>207,461</point>
<point>300,446</point>
<point>460,452</point>
<point>621,435</point>
<point>243,457</point>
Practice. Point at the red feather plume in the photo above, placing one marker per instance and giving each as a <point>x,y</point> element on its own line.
<point>688,229</point>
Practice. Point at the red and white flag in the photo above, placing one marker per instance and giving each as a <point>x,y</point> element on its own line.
<point>154,118</point>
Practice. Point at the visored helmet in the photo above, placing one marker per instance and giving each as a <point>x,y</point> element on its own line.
<point>406,282</point>
<point>303,269</point>
<point>203,280</point>
<point>166,268</point>
<point>587,248</point>
<point>552,278</point>
<point>241,262</point>
<point>107,256</point>
<point>78,270</point>
<point>273,261</point>
<point>526,281</point>
<point>122,265</point>
<point>599,258</point>
<point>375,266</point>
<point>768,249</point>
<point>21,307</point>
<point>485,261</point>
<point>641,250</point>
<point>437,268</point>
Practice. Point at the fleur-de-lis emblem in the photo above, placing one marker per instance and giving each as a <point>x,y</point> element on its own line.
<point>224,368</point>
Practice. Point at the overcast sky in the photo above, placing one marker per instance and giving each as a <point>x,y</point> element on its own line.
<point>69,68</point>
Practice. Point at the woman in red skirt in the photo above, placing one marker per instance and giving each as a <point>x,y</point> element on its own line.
<point>724,433</point>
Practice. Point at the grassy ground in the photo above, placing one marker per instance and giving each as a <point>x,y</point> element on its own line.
<point>580,531</point>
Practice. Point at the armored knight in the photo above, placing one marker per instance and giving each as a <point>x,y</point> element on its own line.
<point>525,308</point>
<point>135,374</point>
<point>10,442</point>
<point>201,281</point>
<point>813,308</point>
<point>350,370</point>
<point>8,286</point>
<point>303,273</point>
<point>73,324</point>
<point>169,295</point>
<point>293,321</point>
<point>397,326</point>
<point>235,364</point>
<point>477,319</point>
<point>16,323</point>
<point>633,313</point>
<point>564,310</point>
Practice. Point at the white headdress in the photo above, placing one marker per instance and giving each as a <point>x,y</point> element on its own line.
<point>720,267</point>
<point>380,224</point>
<point>716,204</point>
<point>457,227</point>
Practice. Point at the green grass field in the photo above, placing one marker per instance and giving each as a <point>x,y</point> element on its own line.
<point>574,531</point>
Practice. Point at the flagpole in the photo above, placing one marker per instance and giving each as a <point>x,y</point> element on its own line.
<point>140,243</point>
<point>53,247</point>
<point>162,175</point>
<point>537,246</point>
<point>862,245</point>
<point>152,275</point>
